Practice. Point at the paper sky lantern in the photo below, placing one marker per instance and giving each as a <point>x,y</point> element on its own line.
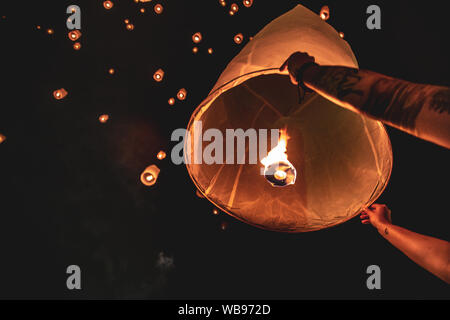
<point>325,13</point>
<point>161,155</point>
<point>150,175</point>
<point>77,46</point>
<point>50,31</point>
<point>171,101</point>
<point>103,118</point>
<point>130,26</point>
<point>343,159</point>
<point>158,9</point>
<point>158,75</point>
<point>181,95</point>
<point>2,138</point>
<point>108,4</point>
<point>74,35</point>
<point>197,37</point>
<point>59,94</point>
<point>210,50</point>
<point>247,3</point>
<point>238,38</point>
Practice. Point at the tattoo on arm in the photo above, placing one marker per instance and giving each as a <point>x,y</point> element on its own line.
<point>395,101</point>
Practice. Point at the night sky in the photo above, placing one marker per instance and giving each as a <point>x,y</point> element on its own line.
<point>69,185</point>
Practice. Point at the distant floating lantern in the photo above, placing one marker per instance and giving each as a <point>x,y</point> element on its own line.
<point>158,8</point>
<point>158,75</point>
<point>126,21</point>
<point>108,4</point>
<point>234,7</point>
<point>194,49</point>
<point>329,146</point>
<point>210,50</point>
<point>197,37</point>
<point>130,26</point>
<point>150,175</point>
<point>142,10</point>
<point>224,226</point>
<point>171,101</point>
<point>2,138</point>
<point>74,35</point>
<point>238,38</point>
<point>215,212</point>
<point>222,3</point>
<point>77,46</point>
<point>111,71</point>
<point>50,31</point>
<point>325,13</point>
<point>341,34</point>
<point>103,118</point>
<point>231,13</point>
<point>247,3</point>
<point>59,94</point>
<point>161,155</point>
<point>181,95</point>
<point>38,27</point>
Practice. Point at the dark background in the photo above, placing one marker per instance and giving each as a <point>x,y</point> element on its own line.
<point>69,186</point>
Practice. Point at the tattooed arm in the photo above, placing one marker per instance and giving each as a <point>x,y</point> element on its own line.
<point>419,109</point>
<point>430,253</point>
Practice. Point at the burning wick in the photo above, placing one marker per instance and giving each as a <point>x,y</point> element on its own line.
<point>277,168</point>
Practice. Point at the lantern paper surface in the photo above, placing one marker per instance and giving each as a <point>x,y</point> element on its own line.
<point>343,160</point>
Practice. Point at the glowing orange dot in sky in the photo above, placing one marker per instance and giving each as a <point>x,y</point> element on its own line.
<point>158,75</point>
<point>158,8</point>
<point>108,4</point>
<point>59,94</point>
<point>325,13</point>
<point>222,3</point>
<point>197,37</point>
<point>234,7</point>
<point>210,50</point>
<point>238,38</point>
<point>171,101</point>
<point>247,3</point>
<point>50,31</point>
<point>77,46</point>
<point>161,155</point>
<point>341,34</point>
<point>74,35</point>
<point>194,49</point>
<point>103,118</point>
<point>142,10</point>
<point>181,95</point>
<point>130,26</point>
<point>2,138</point>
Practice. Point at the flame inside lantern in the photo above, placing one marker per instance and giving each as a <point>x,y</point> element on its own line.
<point>277,168</point>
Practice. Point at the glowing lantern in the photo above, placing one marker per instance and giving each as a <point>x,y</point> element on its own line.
<point>222,3</point>
<point>181,95</point>
<point>231,13</point>
<point>38,27</point>
<point>50,31</point>
<point>325,13</point>
<point>247,3</point>
<point>210,50</point>
<point>158,75</point>
<point>108,4</point>
<point>194,49</point>
<point>343,160</point>
<point>171,101</point>
<point>215,212</point>
<point>161,155</point>
<point>126,21</point>
<point>223,226</point>
<point>130,26</point>
<point>158,8</point>
<point>142,10</point>
<point>234,7</point>
<point>341,34</point>
<point>103,118</point>
<point>2,138</point>
<point>111,71</point>
<point>74,35</point>
<point>77,46</point>
<point>197,37</point>
<point>59,94</point>
<point>150,175</point>
<point>238,38</point>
